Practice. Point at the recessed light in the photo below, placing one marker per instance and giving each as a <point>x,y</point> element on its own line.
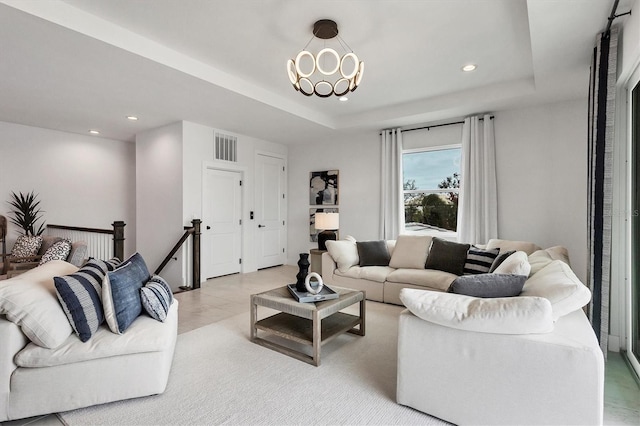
<point>94,132</point>
<point>469,67</point>
<point>132,118</point>
<point>343,99</point>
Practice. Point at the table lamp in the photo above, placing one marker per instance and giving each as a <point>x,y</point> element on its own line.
<point>329,224</point>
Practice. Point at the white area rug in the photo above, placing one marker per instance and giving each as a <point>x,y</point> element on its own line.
<point>220,377</point>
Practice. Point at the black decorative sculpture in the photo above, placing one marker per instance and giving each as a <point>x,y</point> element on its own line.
<point>303,264</point>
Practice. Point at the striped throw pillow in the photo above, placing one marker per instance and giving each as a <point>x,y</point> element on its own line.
<point>479,260</point>
<point>156,298</point>
<point>80,296</point>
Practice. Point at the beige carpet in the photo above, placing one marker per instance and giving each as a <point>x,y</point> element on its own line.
<point>220,377</point>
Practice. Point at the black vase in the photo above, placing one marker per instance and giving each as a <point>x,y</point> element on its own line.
<point>303,264</point>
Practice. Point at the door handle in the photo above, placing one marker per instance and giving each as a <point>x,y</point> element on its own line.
<point>262,226</point>
<point>208,227</point>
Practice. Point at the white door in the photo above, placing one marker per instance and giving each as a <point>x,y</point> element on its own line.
<point>270,211</point>
<point>221,223</point>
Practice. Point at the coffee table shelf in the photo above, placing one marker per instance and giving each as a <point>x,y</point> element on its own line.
<point>300,330</point>
<point>311,324</point>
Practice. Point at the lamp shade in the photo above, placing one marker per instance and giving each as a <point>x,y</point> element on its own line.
<point>327,221</point>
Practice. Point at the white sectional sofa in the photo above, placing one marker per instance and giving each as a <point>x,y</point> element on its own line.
<point>44,366</point>
<point>406,268</point>
<point>527,360</point>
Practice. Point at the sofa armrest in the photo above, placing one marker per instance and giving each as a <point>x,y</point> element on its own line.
<point>328,267</point>
<point>12,342</point>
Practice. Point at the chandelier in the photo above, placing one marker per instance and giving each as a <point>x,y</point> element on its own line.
<point>326,73</point>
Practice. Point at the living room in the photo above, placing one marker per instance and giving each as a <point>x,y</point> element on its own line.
<point>148,172</point>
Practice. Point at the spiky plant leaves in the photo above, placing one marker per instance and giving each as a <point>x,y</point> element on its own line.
<point>26,213</point>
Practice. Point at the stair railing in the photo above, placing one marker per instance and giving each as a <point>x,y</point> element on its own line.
<point>101,243</point>
<point>194,232</point>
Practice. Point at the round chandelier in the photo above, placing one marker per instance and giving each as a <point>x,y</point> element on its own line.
<point>325,73</point>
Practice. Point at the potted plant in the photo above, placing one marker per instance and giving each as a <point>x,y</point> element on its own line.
<point>26,213</point>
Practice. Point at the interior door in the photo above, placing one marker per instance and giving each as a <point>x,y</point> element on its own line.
<point>222,223</point>
<point>270,211</point>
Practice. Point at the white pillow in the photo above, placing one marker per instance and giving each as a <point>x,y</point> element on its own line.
<point>541,258</point>
<point>344,253</point>
<point>508,245</point>
<point>538,260</point>
<point>503,315</point>
<point>517,263</point>
<point>410,251</point>
<point>557,283</point>
<point>29,300</point>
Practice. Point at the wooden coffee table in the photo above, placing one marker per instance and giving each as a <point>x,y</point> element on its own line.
<point>312,324</point>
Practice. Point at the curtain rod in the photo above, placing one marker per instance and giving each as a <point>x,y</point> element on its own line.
<point>613,16</point>
<point>437,125</point>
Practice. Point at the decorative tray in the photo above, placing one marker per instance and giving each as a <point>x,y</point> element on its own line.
<point>305,297</point>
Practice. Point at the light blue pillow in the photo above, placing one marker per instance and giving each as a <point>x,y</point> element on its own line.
<point>80,297</point>
<point>156,298</point>
<point>121,293</point>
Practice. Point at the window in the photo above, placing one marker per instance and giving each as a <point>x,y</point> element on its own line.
<point>431,181</point>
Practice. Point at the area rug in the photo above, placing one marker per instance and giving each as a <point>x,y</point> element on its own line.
<point>220,377</point>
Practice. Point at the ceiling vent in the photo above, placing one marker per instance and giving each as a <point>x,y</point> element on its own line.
<point>226,147</point>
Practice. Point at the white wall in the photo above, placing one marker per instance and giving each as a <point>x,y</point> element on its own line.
<point>159,198</point>
<point>358,161</point>
<point>81,180</point>
<point>541,161</point>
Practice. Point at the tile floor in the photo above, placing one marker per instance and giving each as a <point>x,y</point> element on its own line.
<point>228,296</point>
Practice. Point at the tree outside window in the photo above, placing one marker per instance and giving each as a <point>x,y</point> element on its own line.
<point>431,182</point>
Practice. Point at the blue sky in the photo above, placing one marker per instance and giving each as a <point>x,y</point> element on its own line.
<point>429,168</point>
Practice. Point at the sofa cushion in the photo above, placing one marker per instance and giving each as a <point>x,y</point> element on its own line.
<point>502,256</point>
<point>156,298</point>
<point>121,293</point>
<point>541,258</point>
<point>371,273</point>
<point>557,283</point>
<point>144,335</point>
<point>488,285</point>
<point>373,253</point>
<point>423,277</point>
<point>504,315</point>
<point>78,253</point>
<point>58,251</point>
<point>29,301</point>
<point>113,263</point>
<point>48,241</point>
<point>344,253</point>
<point>447,256</point>
<point>391,246</point>
<point>517,263</point>
<point>80,296</point>
<point>508,245</point>
<point>479,260</point>
<point>26,246</point>
<point>410,251</point>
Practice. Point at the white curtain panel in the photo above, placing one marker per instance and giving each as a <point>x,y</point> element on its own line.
<point>391,197</point>
<point>478,205</point>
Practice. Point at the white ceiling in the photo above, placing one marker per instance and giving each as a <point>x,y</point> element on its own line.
<point>74,65</point>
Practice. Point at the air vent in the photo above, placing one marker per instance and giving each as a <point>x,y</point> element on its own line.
<point>225,147</point>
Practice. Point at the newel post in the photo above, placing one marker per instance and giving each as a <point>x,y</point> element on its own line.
<point>118,239</point>
<point>196,253</point>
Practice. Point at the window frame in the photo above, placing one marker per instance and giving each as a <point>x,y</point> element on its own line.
<point>444,233</point>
